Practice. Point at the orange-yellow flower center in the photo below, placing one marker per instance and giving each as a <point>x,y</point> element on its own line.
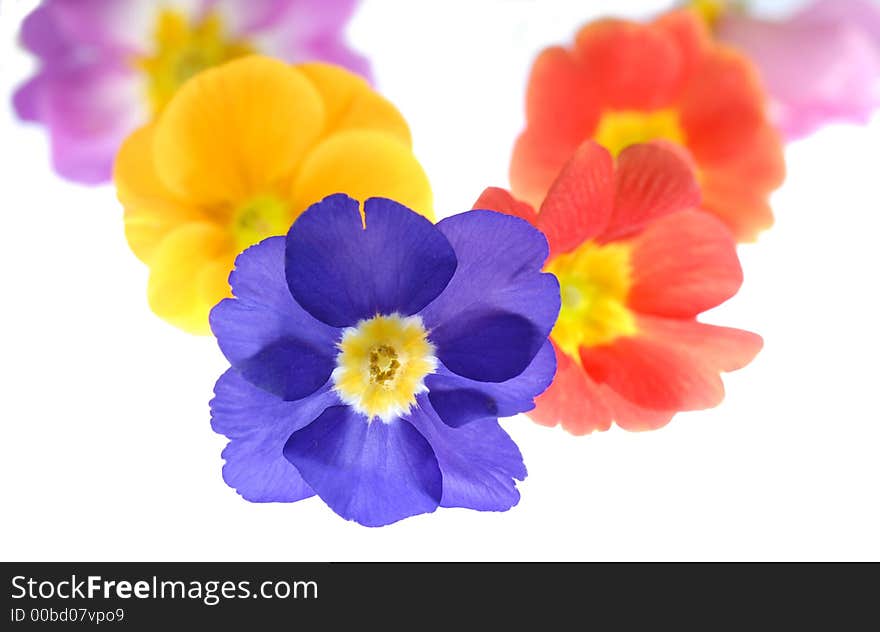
<point>710,10</point>
<point>183,48</point>
<point>258,218</point>
<point>618,129</point>
<point>382,365</point>
<point>594,281</point>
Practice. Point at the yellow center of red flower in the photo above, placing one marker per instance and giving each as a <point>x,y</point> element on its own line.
<point>182,49</point>
<point>258,218</point>
<point>594,281</point>
<point>710,10</point>
<point>618,129</point>
<point>382,365</point>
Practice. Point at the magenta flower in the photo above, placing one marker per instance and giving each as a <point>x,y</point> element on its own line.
<point>108,66</point>
<point>821,65</point>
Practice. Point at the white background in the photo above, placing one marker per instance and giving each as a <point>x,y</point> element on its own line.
<point>106,449</point>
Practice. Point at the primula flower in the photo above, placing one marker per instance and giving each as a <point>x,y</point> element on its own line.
<point>108,66</point>
<point>372,354</point>
<point>636,265</point>
<point>819,66</point>
<point>237,154</point>
<point>625,83</point>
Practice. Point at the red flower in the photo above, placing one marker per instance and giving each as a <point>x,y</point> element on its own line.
<point>625,83</point>
<point>636,266</point>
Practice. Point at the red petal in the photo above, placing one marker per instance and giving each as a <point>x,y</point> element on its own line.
<point>561,111</point>
<point>580,202</point>
<point>535,164</point>
<point>631,417</point>
<point>560,102</point>
<point>497,199</point>
<point>655,374</point>
<point>760,164</point>
<point>633,66</point>
<point>690,34</point>
<point>682,265</point>
<point>652,180</point>
<point>572,400</point>
<point>722,107</point>
<point>746,213</point>
<point>736,190</point>
<point>724,348</point>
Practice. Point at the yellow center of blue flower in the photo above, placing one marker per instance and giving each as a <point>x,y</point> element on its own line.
<point>183,48</point>
<point>594,281</point>
<point>258,218</point>
<point>382,365</point>
<point>618,129</point>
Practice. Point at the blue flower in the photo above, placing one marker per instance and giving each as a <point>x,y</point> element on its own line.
<point>373,354</point>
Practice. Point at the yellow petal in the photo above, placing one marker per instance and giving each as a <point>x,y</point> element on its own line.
<point>236,129</point>
<point>351,103</point>
<point>188,275</point>
<point>212,281</point>
<point>363,164</point>
<point>151,210</point>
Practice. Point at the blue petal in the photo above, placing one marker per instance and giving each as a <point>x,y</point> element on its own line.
<point>373,473</point>
<point>480,462</point>
<point>460,406</point>
<point>341,272</point>
<point>498,278</point>
<point>509,398</point>
<point>487,346</point>
<point>265,334</point>
<point>257,425</point>
<point>511,245</point>
<point>288,368</point>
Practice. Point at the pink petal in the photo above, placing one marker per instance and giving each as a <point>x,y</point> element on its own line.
<point>89,111</point>
<point>821,66</point>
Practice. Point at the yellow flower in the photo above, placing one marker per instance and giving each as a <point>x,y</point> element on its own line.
<point>237,154</point>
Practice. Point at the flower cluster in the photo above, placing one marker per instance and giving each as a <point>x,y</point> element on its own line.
<point>372,351</point>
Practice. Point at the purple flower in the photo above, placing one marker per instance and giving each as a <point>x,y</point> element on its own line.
<point>108,66</point>
<point>822,65</point>
<point>371,359</point>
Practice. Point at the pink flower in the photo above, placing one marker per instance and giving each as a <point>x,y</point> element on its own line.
<point>821,65</point>
<point>107,66</point>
